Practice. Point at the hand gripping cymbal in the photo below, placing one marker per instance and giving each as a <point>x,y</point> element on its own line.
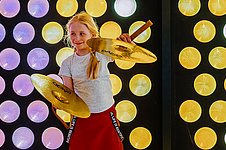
<point>118,49</point>
<point>60,96</point>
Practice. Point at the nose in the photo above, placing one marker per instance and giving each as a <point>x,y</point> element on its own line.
<point>76,37</point>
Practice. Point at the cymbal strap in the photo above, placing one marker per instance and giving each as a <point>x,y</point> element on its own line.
<point>141,29</point>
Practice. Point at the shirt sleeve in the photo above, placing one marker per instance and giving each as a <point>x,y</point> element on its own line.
<point>65,68</point>
<point>107,58</point>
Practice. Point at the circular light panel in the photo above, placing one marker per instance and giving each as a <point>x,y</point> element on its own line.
<point>38,8</point>
<point>205,138</point>
<point>217,57</point>
<point>144,36</point>
<point>140,85</point>
<point>217,111</point>
<point>204,31</point>
<point>9,8</point>
<point>140,138</point>
<point>96,8</point>
<point>205,84</point>
<point>126,111</point>
<point>67,8</point>
<point>116,84</point>
<point>110,26</point>
<point>125,65</point>
<point>125,8</point>
<point>189,7</point>
<point>23,32</point>
<point>23,138</point>
<point>217,7</point>
<point>189,57</point>
<point>190,111</point>
<point>62,54</point>
<point>2,32</point>
<point>52,32</point>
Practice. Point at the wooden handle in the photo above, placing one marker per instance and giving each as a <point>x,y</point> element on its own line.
<point>141,29</point>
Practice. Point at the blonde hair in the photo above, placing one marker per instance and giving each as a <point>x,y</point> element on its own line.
<point>90,23</point>
<point>85,19</point>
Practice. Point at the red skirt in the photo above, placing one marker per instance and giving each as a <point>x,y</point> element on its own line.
<point>98,132</point>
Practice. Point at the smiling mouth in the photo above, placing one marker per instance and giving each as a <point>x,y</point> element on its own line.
<point>78,44</point>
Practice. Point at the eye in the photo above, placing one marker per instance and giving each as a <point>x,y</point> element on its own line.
<point>72,33</point>
<point>82,33</point>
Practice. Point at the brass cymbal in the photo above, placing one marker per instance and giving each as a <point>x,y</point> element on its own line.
<point>121,50</point>
<point>60,96</point>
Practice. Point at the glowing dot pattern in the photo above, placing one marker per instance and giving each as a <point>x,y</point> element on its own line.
<point>207,84</point>
<point>23,138</point>
<point>9,111</point>
<point>9,59</point>
<point>50,33</point>
<point>23,32</point>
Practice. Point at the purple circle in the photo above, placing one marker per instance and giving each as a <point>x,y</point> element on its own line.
<point>2,138</point>
<point>23,138</point>
<point>38,58</point>
<point>2,85</point>
<point>37,111</point>
<point>9,111</point>
<point>22,85</point>
<point>9,8</point>
<point>2,32</point>
<point>38,8</point>
<point>9,59</point>
<point>23,32</point>
<point>52,138</point>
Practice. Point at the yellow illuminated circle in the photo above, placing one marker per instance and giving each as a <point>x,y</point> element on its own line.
<point>110,30</point>
<point>126,111</point>
<point>217,111</point>
<point>62,54</point>
<point>189,57</point>
<point>189,7</point>
<point>125,65</point>
<point>140,138</point>
<point>190,111</point>
<point>217,57</point>
<point>66,117</point>
<point>96,8</point>
<point>225,84</point>
<point>205,84</point>
<point>116,84</point>
<point>205,138</point>
<point>52,32</point>
<point>204,31</point>
<point>217,7</point>
<point>144,36</point>
<point>140,84</point>
<point>67,8</point>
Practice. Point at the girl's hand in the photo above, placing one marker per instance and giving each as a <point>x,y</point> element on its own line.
<point>126,38</point>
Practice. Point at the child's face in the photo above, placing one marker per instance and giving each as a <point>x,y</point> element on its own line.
<point>79,34</point>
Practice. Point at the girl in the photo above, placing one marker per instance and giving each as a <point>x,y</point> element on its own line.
<point>86,73</point>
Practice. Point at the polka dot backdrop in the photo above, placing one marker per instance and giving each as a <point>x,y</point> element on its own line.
<point>31,39</point>
<point>199,63</point>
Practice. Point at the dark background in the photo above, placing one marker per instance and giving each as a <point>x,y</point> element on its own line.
<point>158,111</point>
<point>149,107</point>
<point>183,79</point>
